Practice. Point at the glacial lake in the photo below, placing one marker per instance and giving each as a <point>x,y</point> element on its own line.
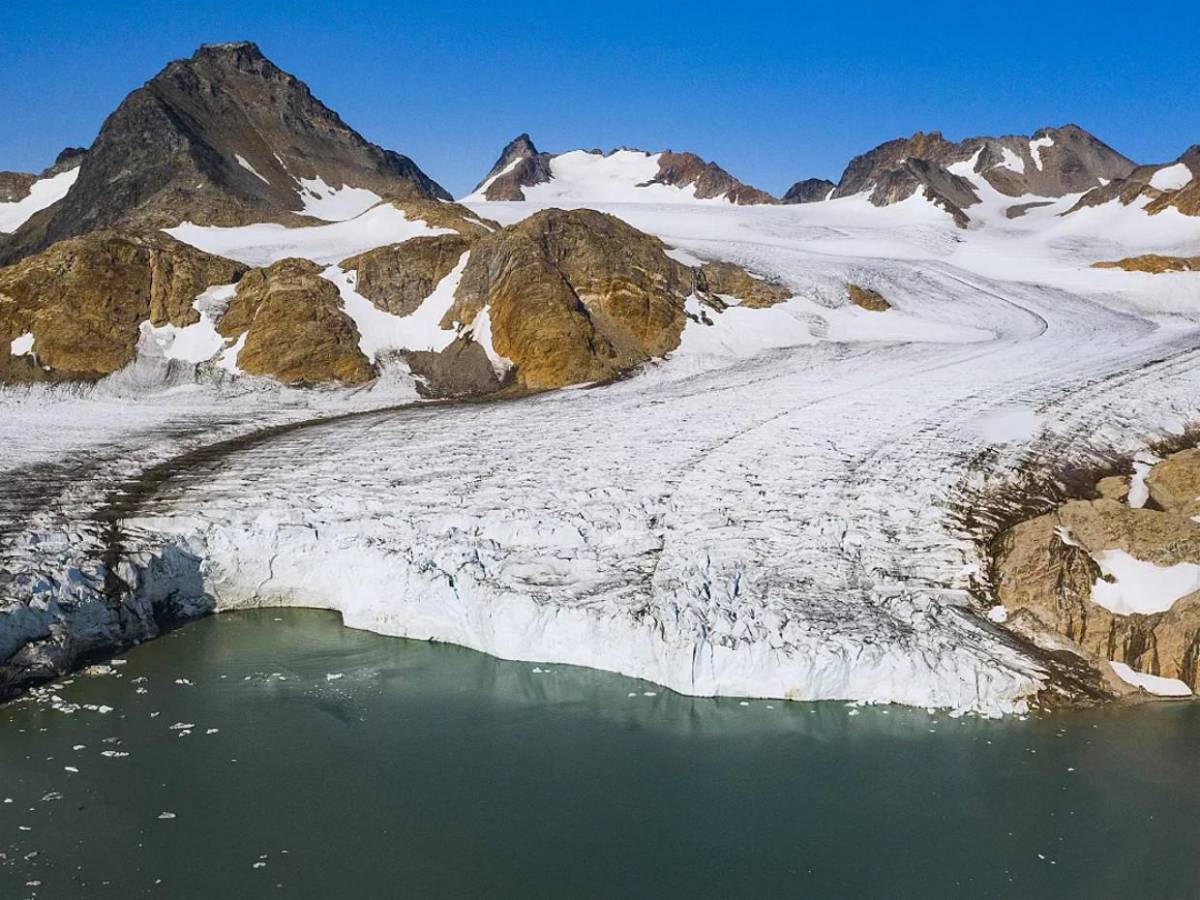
<point>319,761</point>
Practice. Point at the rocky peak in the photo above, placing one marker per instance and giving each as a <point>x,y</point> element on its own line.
<point>520,165</point>
<point>810,190</point>
<point>224,137</point>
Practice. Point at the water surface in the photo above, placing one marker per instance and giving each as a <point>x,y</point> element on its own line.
<point>326,762</point>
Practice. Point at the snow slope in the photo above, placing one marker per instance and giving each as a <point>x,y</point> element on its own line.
<point>43,193</point>
<point>768,512</point>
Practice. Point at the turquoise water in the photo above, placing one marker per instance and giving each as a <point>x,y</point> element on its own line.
<point>431,771</point>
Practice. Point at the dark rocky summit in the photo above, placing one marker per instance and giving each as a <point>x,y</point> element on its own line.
<point>810,190</point>
<point>520,165</point>
<point>218,139</point>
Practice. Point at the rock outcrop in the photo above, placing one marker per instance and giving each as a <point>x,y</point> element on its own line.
<point>1174,185</point>
<point>709,180</point>
<point>222,138</point>
<point>734,281</point>
<point>84,300</point>
<point>574,296</point>
<point>867,298</point>
<point>293,328</point>
<point>1153,263</point>
<point>810,190</point>
<point>1046,571</point>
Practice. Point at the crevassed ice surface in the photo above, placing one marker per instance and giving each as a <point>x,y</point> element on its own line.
<point>768,519</point>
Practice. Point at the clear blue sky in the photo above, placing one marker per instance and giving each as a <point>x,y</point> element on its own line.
<point>773,92</point>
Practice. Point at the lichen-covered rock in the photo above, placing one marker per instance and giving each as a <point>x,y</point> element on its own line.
<point>1045,571</point>
<point>295,328</point>
<point>1153,263</point>
<point>84,300</point>
<point>574,296</point>
<point>755,293</point>
<point>867,298</point>
<point>1175,483</point>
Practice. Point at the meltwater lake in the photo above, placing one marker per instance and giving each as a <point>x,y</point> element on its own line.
<point>278,754</point>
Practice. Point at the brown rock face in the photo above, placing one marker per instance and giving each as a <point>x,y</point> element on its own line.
<point>398,277</point>
<point>1045,573</point>
<point>755,293</point>
<point>296,330</point>
<point>867,298</point>
<point>709,179</point>
<point>1153,263</point>
<point>574,296</point>
<point>85,299</point>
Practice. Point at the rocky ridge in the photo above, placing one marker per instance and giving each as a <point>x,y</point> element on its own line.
<point>1053,162</point>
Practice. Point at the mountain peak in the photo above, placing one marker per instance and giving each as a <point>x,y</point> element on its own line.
<point>224,137</point>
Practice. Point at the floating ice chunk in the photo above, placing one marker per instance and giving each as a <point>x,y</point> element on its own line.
<point>166,815</point>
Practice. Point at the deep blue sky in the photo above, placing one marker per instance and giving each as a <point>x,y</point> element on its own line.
<point>773,92</point>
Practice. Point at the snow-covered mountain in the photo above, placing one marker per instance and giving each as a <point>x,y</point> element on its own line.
<point>620,176</point>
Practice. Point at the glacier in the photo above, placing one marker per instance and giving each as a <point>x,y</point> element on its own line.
<point>774,513</point>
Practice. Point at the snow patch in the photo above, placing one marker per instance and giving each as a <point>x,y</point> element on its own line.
<point>1035,149</point>
<point>334,204</point>
<point>245,164</point>
<point>381,331</point>
<point>42,193</point>
<point>199,341</point>
<point>1139,491</point>
<point>1154,684</point>
<point>1141,587</point>
<point>266,243</point>
<point>1171,178</point>
<point>22,344</point>
<point>1009,160</point>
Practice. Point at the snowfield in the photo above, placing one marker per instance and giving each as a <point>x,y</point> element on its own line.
<point>769,512</point>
